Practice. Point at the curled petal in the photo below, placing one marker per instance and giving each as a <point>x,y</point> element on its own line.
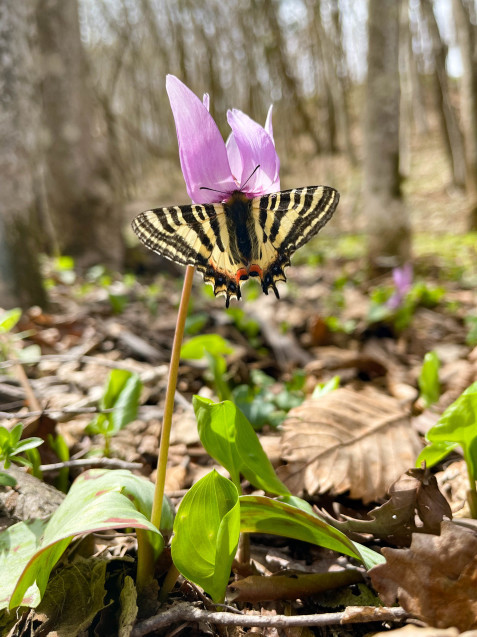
<point>206,101</point>
<point>202,150</point>
<point>268,123</point>
<point>256,148</point>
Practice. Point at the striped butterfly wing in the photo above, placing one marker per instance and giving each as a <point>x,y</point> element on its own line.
<point>240,238</point>
<point>285,221</point>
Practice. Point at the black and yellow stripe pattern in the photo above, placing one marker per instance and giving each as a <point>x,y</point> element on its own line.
<point>242,237</point>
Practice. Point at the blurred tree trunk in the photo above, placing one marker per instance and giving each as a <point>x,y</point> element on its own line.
<point>465,19</point>
<point>85,215</point>
<point>454,144</point>
<point>20,280</point>
<point>277,50</point>
<point>387,218</point>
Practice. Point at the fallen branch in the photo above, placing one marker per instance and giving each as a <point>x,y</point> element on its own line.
<point>185,612</point>
<point>111,463</point>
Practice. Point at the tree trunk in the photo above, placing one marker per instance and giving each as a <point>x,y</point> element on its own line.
<point>465,19</point>
<point>20,280</point>
<point>85,215</point>
<point>454,143</point>
<point>387,218</point>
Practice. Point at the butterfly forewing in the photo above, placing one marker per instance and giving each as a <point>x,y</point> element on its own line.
<point>240,238</point>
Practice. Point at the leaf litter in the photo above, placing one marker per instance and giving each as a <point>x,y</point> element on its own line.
<point>349,452</point>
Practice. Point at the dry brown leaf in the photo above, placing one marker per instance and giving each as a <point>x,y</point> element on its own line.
<point>421,631</point>
<point>292,586</point>
<point>415,505</point>
<point>348,441</point>
<point>435,579</point>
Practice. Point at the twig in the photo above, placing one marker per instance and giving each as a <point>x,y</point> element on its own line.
<point>112,463</point>
<point>186,612</point>
<point>74,411</point>
<point>67,358</point>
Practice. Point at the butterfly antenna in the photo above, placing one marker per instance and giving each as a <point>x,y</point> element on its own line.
<point>253,173</point>
<point>221,192</point>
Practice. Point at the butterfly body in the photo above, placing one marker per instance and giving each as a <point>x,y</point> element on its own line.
<point>239,238</point>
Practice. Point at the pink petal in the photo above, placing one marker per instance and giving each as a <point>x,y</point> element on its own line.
<point>256,148</point>
<point>235,159</point>
<point>206,101</point>
<point>202,150</point>
<point>268,123</point>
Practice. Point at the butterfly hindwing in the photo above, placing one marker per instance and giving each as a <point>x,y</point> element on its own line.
<point>240,238</point>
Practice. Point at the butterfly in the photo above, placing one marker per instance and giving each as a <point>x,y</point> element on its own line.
<point>240,238</point>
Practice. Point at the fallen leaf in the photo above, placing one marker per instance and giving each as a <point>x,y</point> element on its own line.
<point>347,441</point>
<point>421,631</point>
<point>73,597</point>
<point>435,579</point>
<point>259,589</point>
<point>128,615</point>
<point>415,504</point>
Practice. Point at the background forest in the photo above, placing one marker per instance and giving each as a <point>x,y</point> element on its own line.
<point>383,109</point>
<point>365,366</point>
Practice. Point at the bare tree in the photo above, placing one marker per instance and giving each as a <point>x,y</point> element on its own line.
<point>454,143</point>
<point>387,220</point>
<point>20,281</point>
<point>465,18</point>
<point>79,185</point>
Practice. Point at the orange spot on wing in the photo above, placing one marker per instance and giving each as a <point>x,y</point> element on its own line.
<point>241,274</point>
<point>256,270</point>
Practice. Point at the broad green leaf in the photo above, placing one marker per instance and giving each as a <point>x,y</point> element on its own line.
<point>458,422</point>
<point>126,402</point>
<point>98,500</point>
<point>9,319</point>
<point>429,379</point>
<point>230,439</point>
<point>18,544</point>
<point>435,452</point>
<point>457,426</point>
<point>198,346</point>
<point>206,534</point>
<point>122,392</point>
<point>259,514</point>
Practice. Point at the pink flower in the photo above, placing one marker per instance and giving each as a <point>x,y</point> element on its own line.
<point>403,283</point>
<point>207,162</point>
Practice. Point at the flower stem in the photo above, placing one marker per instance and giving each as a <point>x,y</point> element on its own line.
<point>147,573</point>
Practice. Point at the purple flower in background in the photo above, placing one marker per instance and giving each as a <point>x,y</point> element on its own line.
<point>206,160</point>
<point>403,283</point>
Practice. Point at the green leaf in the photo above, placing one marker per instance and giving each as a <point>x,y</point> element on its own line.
<point>9,319</point>
<point>230,439</point>
<point>435,452</point>
<point>98,500</point>
<point>206,534</point>
<point>259,514</point>
<point>198,346</point>
<point>322,389</point>
<point>458,425</point>
<point>429,379</point>
<point>122,393</point>
<point>28,443</point>
<point>6,480</point>
<point>18,544</point>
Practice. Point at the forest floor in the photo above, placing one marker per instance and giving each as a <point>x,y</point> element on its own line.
<point>342,450</point>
